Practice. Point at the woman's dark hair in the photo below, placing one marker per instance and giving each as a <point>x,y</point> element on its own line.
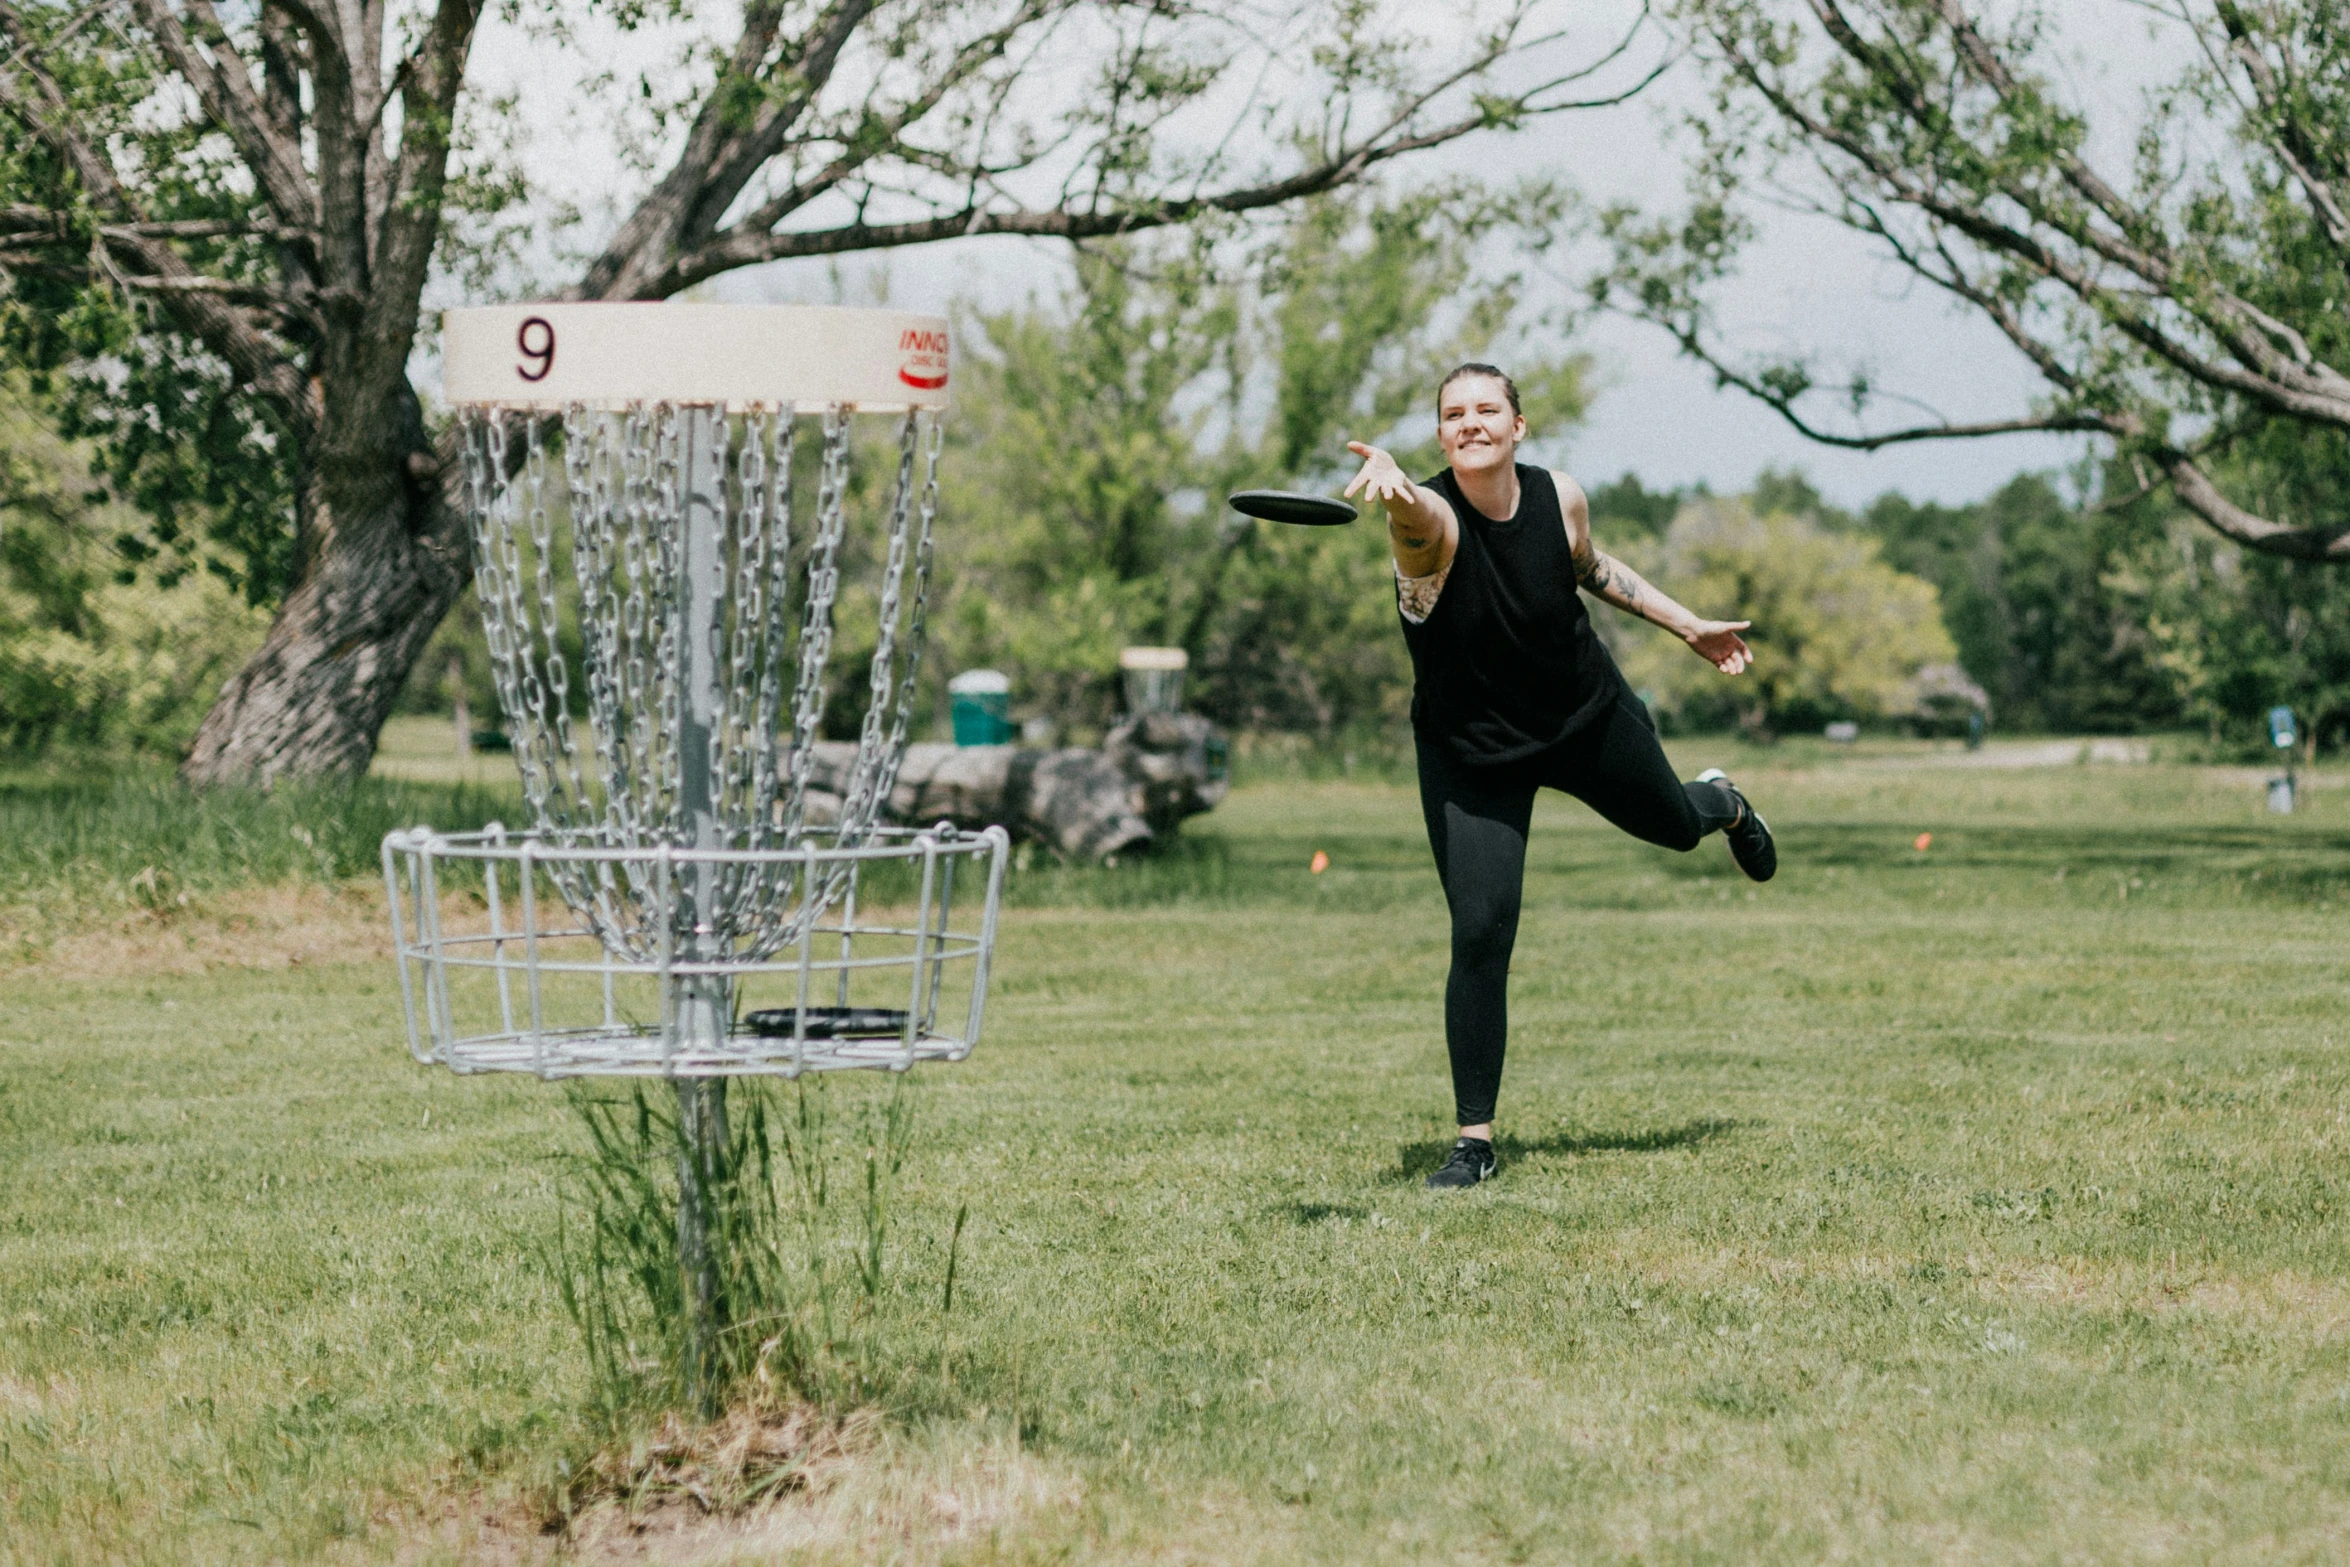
<point>1494,371</point>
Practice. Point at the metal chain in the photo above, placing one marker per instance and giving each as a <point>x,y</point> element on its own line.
<point>762,899</point>
<point>622,473</point>
<point>754,892</point>
<point>902,722</point>
<point>816,625</point>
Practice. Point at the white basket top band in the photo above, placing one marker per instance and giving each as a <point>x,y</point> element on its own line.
<point>806,357</point>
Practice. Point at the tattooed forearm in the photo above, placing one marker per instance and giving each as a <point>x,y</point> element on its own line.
<point>1616,582</point>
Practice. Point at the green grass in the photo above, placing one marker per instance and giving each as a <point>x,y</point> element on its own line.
<point>78,849</point>
<point>1982,1203</point>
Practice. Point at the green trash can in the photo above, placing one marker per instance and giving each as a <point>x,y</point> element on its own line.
<point>980,701</point>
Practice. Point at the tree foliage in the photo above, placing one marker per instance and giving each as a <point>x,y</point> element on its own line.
<point>87,658</point>
<point>2188,306</point>
<point>1837,632</point>
<point>1102,433</point>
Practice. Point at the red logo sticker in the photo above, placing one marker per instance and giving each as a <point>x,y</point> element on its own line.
<point>922,359</point>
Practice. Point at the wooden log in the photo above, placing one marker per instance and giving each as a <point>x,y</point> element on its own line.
<point>1131,794</point>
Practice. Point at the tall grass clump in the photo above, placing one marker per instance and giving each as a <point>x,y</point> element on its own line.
<point>86,834</point>
<point>799,1255</point>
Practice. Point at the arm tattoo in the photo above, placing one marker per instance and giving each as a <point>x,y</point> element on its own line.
<point>1612,580</point>
<point>1586,556</point>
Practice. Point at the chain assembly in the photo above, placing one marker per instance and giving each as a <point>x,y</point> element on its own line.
<point>597,643</point>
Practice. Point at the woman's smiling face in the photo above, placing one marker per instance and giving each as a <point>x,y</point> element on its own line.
<point>1476,426</point>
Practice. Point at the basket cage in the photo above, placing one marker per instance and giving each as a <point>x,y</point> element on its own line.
<point>498,973</point>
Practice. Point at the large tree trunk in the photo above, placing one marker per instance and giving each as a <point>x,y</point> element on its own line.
<point>386,557</point>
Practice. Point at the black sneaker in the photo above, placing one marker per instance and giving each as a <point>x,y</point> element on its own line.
<point>1749,835</point>
<point>1471,1161</point>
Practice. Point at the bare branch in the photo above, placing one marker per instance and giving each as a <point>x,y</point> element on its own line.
<point>1783,403</point>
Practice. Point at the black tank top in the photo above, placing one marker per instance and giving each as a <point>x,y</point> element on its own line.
<point>1508,663</point>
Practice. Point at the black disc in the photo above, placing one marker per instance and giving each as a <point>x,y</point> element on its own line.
<point>829,1022</point>
<point>1308,511</point>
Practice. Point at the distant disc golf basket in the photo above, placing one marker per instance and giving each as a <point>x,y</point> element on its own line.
<point>1153,677</point>
<point>660,583</point>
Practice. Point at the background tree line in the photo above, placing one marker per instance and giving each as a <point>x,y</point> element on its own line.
<point>1097,431</point>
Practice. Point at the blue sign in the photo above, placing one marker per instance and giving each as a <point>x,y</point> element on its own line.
<point>2280,728</point>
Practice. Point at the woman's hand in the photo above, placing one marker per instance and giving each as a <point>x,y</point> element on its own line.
<point>1380,480</point>
<point>1719,644</point>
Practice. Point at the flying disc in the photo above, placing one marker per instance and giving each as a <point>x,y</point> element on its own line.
<point>828,1022</point>
<point>1308,511</point>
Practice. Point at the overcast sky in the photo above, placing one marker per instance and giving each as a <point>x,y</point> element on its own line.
<point>1805,283</point>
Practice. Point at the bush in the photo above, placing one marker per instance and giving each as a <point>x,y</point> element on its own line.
<point>1837,632</point>
<point>88,657</point>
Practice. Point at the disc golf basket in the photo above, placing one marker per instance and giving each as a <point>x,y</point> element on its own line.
<point>659,582</point>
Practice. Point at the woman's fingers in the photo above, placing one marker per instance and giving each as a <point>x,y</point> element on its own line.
<point>1372,458</point>
<point>1388,485</point>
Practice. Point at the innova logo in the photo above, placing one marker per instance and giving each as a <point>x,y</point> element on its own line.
<point>922,359</point>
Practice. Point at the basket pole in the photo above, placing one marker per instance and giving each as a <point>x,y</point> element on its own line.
<point>705,1004</point>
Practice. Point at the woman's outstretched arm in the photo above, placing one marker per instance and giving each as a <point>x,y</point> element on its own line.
<point>1715,641</point>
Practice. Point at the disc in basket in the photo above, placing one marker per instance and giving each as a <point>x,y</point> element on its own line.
<point>1307,511</point>
<point>829,1022</point>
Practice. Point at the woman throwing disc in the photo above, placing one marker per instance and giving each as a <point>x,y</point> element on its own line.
<point>1512,692</point>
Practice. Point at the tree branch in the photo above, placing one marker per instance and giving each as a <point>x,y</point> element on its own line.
<point>884,132</point>
<point>410,225</point>
<point>48,223</point>
<point>2202,497</point>
<point>2227,316</point>
<point>740,246</point>
<point>1783,404</point>
<point>662,222</point>
<point>2290,139</point>
<point>216,72</point>
<point>2318,394</point>
<point>28,93</point>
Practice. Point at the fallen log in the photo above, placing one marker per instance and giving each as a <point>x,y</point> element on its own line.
<point>1150,773</point>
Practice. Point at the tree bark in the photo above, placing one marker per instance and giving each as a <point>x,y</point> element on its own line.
<point>387,559</point>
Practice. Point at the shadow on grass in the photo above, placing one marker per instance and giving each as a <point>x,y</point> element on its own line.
<point>1414,1161</point>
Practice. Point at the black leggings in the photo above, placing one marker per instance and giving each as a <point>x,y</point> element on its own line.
<point>1477,820</point>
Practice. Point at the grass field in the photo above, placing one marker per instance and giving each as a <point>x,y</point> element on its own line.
<point>1979,1203</point>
